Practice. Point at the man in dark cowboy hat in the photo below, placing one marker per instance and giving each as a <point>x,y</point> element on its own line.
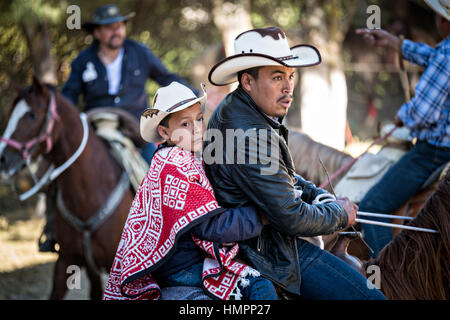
<point>264,65</point>
<point>113,71</point>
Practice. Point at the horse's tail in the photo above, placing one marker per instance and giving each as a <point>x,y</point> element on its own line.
<point>416,265</point>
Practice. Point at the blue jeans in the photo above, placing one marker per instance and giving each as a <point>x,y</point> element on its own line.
<point>147,152</point>
<point>191,277</point>
<point>326,277</point>
<point>259,288</point>
<point>397,186</point>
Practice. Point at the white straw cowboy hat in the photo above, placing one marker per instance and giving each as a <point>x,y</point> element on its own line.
<point>441,7</point>
<point>172,98</point>
<point>262,47</point>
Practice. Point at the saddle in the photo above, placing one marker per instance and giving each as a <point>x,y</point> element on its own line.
<point>370,168</point>
<point>127,124</point>
<point>364,174</point>
<point>121,131</point>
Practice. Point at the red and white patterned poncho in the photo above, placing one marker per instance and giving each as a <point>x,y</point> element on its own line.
<point>173,195</point>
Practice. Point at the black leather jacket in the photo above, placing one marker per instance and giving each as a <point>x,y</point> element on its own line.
<point>274,253</point>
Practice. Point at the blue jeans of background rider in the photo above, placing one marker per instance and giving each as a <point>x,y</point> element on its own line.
<point>258,288</point>
<point>147,152</point>
<point>398,185</point>
<point>326,277</point>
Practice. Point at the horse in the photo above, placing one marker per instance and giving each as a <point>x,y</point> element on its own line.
<point>307,155</point>
<point>316,161</point>
<point>93,196</point>
<point>416,265</point>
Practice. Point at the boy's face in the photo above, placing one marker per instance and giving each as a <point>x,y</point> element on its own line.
<point>186,128</point>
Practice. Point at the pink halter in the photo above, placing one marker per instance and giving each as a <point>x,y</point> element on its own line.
<point>24,148</point>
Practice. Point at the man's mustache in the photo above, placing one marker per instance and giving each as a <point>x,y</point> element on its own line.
<point>283,97</point>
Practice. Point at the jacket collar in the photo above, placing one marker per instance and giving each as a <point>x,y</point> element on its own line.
<point>250,102</point>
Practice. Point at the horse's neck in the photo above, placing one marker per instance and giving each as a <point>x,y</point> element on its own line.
<point>69,137</point>
<point>93,173</point>
<point>308,155</point>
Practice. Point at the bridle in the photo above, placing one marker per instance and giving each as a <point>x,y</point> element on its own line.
<point>25,148</point>
<point>46,136</point>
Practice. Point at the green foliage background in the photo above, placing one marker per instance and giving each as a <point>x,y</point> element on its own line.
<point>179,31</point>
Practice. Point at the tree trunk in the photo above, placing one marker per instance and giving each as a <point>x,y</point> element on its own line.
<point>39,45</point>
<point>323,92</point>
<point>231,19</point>
<point>323,88</point>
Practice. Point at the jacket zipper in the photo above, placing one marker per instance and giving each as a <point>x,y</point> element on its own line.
<point>258,244</point>
<point>297,262</point>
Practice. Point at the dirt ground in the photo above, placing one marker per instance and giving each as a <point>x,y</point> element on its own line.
<point>25,273</point>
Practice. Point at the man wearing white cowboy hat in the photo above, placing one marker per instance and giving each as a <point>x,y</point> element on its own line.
<point>264,65</point>
<point>178,204</point>
<point>427,115</point>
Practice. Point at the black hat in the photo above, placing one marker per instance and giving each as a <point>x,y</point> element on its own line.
<point>107,14</point>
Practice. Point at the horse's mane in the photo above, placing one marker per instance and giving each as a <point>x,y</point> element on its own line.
<point>306,152</point>
<point>416,265</point>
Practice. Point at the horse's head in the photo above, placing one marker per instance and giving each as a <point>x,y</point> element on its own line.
<point>29,128</point>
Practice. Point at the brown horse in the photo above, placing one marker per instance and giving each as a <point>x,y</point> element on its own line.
<point>84,186</point>
<point>306,153</point>
<point>416,265</point>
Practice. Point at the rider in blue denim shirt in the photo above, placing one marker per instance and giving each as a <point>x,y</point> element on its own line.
<point>139,64</point>
<point>90,76</point>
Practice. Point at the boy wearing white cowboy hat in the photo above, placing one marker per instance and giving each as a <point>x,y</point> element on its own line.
<point>427,116</point>
<point>175,228</point>
<point>111,72</point>
<point>264,64</point>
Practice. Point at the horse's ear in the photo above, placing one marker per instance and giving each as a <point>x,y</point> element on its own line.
<point>38,85</point>
<point>16,87</point>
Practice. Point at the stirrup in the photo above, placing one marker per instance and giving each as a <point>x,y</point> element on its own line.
<point>47,245</point>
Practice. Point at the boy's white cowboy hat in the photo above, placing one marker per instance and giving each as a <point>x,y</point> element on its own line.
<point>172,98</point>
<point>262,47</point>
<point>441,7</point>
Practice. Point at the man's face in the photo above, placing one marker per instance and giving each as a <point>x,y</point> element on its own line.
<point>273,90</point>
<point>111,35</point>
<point>442,25</point>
